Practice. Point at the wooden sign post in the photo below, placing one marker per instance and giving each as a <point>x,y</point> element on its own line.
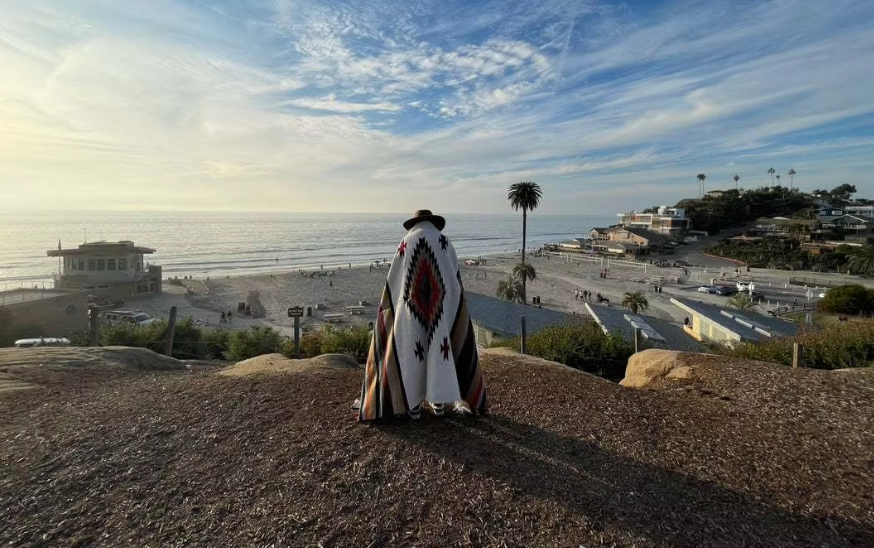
<point>296,312</point>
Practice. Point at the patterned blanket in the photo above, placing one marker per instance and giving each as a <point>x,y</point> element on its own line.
<point>423,346</point>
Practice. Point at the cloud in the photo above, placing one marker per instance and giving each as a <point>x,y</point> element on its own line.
<point>327,106</point>
<point>330,103</point>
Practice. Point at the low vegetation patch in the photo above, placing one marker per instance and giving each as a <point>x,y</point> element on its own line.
<point>585,347</point>
<point>839,346</point>
<point>192,342</point>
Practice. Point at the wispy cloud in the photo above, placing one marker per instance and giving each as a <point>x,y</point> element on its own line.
<point>331,106</point>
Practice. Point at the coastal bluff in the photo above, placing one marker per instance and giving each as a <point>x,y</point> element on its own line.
<point>104,450</point>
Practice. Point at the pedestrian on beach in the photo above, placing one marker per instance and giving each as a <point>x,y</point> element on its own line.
<point>423,350</point>
<point>230,315</point>
<point>222,319</point>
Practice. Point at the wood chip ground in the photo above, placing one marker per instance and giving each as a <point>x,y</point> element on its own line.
<point>745,455</point>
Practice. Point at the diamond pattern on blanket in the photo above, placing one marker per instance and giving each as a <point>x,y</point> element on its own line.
<point>424,289</point>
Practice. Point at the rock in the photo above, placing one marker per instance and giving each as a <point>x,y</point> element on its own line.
<point>647,366</point>
<point>277,364</point>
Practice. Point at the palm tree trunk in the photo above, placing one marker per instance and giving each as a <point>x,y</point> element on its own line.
<point>524,243</point>
<point>524,234</point>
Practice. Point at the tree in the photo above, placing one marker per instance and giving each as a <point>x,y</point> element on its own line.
<point>741,301</point>
<point>635,302</point>
<point>771,172</point>
<point>524,272</point>
<point>841,194</point>
<point>862,261</point>
<point>778,179</point>
<point>846,299</point>
<point>736,179</point>
<point>791,174</point>
<point>509,289</point>
<point>524,195</point>
<point>701,178</point>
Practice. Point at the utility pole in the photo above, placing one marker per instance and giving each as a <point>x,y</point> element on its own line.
<point>171,332</point>
<point>523,331</point>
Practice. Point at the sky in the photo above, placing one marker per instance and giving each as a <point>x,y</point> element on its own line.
<point>392,106</point>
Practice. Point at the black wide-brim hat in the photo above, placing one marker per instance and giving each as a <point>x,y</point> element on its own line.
<point>425,215</point>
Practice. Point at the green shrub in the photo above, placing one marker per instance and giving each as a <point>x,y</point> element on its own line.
<point>354,341</point>
<point>850,344</point>
<point>214,343</point>
<point>255,341</point>
<point>583,346</point>
<point>846,299</point>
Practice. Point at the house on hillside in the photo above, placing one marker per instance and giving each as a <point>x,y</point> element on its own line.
<point>670,221</point>
<point>715,194</point>
<point>848,223</point>
<point>784,226</point>
<point>599,234</point>
<point>711,323</point>
<point>655,332</point>
<point>495,319</point>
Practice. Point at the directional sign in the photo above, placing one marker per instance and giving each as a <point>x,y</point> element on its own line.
<point>295,312</point>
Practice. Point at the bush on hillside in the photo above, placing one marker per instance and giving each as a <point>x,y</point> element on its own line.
<point>585,347</point>
<point>847,299</point>
<point>255,341</point>
<point>850,344</point>
<point>354,341</point>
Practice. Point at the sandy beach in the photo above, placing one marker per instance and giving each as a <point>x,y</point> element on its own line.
<point>329,292</point>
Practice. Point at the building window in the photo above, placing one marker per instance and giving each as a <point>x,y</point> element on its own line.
<point>92,264</point>
<point>110,264</point>
<point>122,264</point>
<point>81,264</point>
<point>101,264</point>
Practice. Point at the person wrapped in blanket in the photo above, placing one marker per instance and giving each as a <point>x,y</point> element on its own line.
<point>423,353</point>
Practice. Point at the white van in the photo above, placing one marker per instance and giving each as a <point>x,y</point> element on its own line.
<point>134,317</point>
<point>42,341</point>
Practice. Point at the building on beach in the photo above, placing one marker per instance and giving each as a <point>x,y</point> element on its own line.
<point>655,332</point>
<point>495,319</point>
<point>711,323</point>
<point>37,312</point>
<point>670,221</point>
<point>114,270</point>
<point>621,240</point>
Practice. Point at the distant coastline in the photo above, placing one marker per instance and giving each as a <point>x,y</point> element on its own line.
<point>235,244</point>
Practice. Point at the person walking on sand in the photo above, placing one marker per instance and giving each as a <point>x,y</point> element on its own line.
<point>223,318</point>
<point>423,351</point>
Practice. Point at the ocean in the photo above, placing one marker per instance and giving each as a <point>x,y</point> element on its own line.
<point>218,244</point>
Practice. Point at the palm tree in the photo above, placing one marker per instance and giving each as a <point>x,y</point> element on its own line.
<point>524,272</point>
<point>791,174</point>
<point>509,290</point>
<point>526,196</point>
<point>862,261</point>
<point>741,301</point>
<point>701,178</point>
<point>736,179</point>
<point>771,172</point>
<point>635,302</point>
<point>778,180</point>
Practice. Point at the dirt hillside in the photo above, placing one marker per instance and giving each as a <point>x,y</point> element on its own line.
<point>741,454</point>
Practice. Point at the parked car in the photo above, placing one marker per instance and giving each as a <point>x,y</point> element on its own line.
<point>725,290</point>
<point>707,289</point>
<point>42,341</point>
<point>135,317</point>
<point>744,285</point>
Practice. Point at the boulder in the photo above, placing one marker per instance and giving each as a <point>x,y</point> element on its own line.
<point>650,365</point>
<point>277,364</point>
